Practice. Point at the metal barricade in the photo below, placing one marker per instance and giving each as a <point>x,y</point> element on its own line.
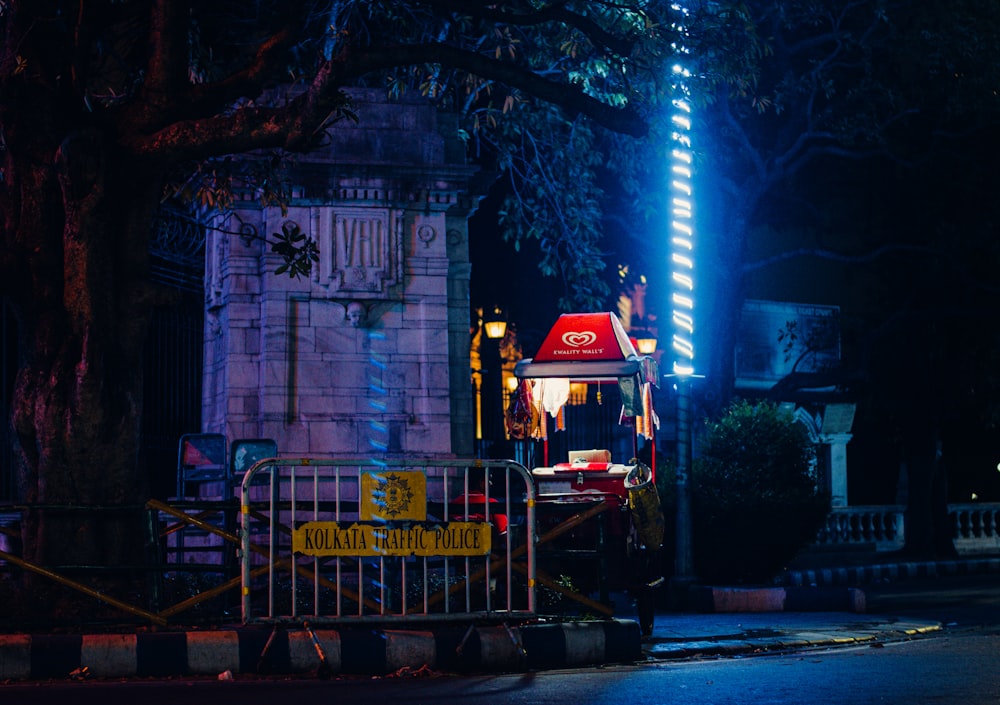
<point>349,540</point>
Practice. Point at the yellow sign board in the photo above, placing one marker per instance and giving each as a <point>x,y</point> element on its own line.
<point>393,495</point>
<point>331,538</point>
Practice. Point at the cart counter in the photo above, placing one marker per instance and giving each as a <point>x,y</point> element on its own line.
<point>570,479</point>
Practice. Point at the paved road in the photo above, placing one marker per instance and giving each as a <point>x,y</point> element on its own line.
<point>954,601</point>
<point>940,669</point>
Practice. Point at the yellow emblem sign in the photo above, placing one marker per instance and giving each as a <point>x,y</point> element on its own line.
<point>393,495</point>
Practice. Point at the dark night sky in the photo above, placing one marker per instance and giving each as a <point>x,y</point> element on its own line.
<point>511,279</point>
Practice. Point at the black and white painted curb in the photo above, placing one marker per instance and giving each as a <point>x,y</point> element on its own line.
<point>353,651</point>
<point>875,573</point>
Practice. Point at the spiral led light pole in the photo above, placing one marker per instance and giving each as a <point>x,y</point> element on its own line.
<point>682,240</point>
<point>682,235</point>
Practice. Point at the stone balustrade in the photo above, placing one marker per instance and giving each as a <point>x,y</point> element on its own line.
<point>976,527</point>
<point>872,526</point>
<point>881,527</point>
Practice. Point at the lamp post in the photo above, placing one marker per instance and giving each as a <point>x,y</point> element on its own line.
<point>683,563</point>
<point>494,328</point>
<point>682,260</point>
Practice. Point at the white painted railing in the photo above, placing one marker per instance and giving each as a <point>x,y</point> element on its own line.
<point>976,527</point>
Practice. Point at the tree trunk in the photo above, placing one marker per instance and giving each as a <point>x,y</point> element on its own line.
<point>82,317</point>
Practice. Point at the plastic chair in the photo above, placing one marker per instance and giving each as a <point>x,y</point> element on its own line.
<point>201,457</point>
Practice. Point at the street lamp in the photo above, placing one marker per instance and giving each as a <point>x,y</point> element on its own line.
<point>682,259</point>
<point>645,341</point>
<point>495,324</point>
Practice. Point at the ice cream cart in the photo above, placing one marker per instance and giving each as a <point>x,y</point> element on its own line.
<point>600,516</point>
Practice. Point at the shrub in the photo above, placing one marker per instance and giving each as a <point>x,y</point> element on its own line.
<point>754,499</point>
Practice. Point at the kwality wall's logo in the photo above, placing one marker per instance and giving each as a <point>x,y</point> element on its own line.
<point>578,343</point>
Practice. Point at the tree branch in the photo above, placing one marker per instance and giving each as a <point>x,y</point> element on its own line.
<point>839,256</point>
<point>295,126</point>
<point>550,13</point>
<point>167,90</point>
<point>871,256</point>
<point>570,97</point>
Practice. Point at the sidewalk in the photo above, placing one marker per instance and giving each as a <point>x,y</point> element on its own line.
<point>755,621</point>
<point>246,652</point>
<point>680,636</point>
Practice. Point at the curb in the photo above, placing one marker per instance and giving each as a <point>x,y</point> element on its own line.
<point>820,638</point>
<point>792,599</point>
<point>354,651</point>
<point>865,574</point>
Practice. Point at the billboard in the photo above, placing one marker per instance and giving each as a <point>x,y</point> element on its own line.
<point>776,338</point>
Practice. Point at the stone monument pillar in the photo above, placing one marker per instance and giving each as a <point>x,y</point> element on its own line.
<point>369,355</point>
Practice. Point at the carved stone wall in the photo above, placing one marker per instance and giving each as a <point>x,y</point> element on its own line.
<point>369,356</point>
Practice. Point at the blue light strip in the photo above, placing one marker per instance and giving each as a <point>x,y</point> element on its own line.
<point>682,214</point>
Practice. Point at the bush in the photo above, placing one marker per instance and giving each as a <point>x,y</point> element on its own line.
<point>754,499</point>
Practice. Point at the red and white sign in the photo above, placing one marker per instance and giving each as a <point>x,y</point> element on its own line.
<point>586,336</point>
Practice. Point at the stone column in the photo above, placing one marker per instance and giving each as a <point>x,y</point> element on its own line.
<point>834,448</point>
<point>834,435</point>
<point>368,355</point>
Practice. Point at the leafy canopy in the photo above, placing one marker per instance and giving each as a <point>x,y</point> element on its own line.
<point>545,93</point>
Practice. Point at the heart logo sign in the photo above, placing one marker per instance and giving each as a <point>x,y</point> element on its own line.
<point>579,339</point>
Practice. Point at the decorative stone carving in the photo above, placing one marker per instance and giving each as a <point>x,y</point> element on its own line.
<point>426,234</point>
<point>357,314</point>
<point>359,251</point>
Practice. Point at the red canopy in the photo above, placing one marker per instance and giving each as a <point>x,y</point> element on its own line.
<point>588,346</point>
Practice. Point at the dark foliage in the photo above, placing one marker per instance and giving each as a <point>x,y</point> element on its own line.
<point>755,502</point>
